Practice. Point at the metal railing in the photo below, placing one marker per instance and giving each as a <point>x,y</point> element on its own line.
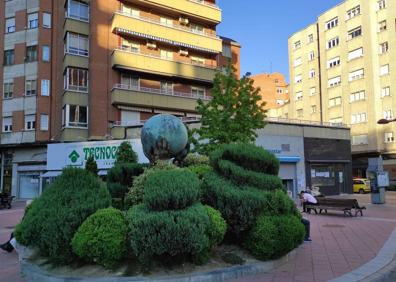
<point>138,52</point>
<point>138,123</point>
<point>307,122</point>
<point>179,27</point>
<point>161,92</point>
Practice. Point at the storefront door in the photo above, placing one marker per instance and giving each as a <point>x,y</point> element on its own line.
<point>29,186</point>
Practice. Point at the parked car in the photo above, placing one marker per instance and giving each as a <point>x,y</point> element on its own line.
<point>361,185</point>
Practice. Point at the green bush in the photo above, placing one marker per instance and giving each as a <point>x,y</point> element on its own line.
<point>124,173</point>
<point>102,237</point>
<point>91,165</point>
<point>242,176</point>
<point>217,226</point>
<point>116,190</point>
<point>200,170</point>
<point>275,236</point>
<point>171,189</point>
<point>239,206</point>
<point>180,233</point>
<point>195,160</point>
<point>279,203</point>
<point>55,216</point>
<point>125,154</point>
<point>248,156</point>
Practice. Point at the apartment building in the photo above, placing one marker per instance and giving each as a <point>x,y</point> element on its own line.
<point>343,71</point>
<point>274,89</point>
<point>79,70</point>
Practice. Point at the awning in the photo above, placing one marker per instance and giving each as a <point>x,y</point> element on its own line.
<point>53,173</point>
<point>288,159</point>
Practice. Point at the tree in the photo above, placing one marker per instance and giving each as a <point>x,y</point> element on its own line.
<point>233,115</point>
<point>91,165</point>
<point>125,154</point>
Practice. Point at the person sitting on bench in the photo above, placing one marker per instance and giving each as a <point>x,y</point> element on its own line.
<point>307,199</point>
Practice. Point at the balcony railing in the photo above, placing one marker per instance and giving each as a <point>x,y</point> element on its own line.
<point>161,92</point>
<point>135,51</point>
<point>138,123</point>
<point>156,21</point>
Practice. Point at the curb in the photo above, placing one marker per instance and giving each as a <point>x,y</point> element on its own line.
<point>34,273</point>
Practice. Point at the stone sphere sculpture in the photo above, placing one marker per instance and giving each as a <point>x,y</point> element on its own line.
<point>165,137</point>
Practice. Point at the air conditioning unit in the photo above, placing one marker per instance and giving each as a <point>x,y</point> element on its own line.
<point>183,52</point>
<point>183,21</point>
<point>151,45</point>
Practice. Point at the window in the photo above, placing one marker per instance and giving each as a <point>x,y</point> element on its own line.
<point>76,79</point>
<point>198,92</point>
<point>310,38</point>
<point>77,44</point>
<point>299,96</point>
<point>335,102</point>
<point>197,28</point>
<point>198,61</point>
<point>130,11</point>
<point>384,70</point>
<point>313,109</point>
<point>355,11</point>
<point>47,20</point>
<point>355,54</point>
<point>311,56</point>
<point>78,10</point>
<point>333,62</point>
<point>75,116</point>
<point>312,91</point>
<point>354,33</point>
<point>298,78</point>
<point>166,21</point>
<point>381,4</point>
<point>382,26</point>
<point>297,62</point>
<point>355,75</point>
<point>128,45</point>
<point>45,87</point>
<point>9,57</point>
<point>311,73</point>
<point>30,122</point>
<point>44,122</point>
<point>10,25</point>
<point>360,140</point>
<point>7,124</point>
<point>32,21</point>
<point>279,90</point>
<point>357,96</point>
<point>31,54</point>
<point>8,90</point>
<point>332,23</point>
<point>335,81</point>
<point>388,114</point>
<point>166,87</point>
<point>165,54</point>
<point>46,54</point>
<point>226,51</point>
<point>130,82</point>
<point>297,45</point>
<point>383,48</point>
<point>389,137</point>
<point>358,118</point>
<point>385,91</point>
<point>333,43</point>
<point>30,87</point>
<point>300,113</point>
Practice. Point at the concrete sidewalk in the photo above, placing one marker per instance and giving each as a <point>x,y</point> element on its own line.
<point>340,244</point>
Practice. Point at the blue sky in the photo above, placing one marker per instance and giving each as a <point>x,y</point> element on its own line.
<point>263,27</point>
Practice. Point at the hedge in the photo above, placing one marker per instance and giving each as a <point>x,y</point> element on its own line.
<point>102,238</point>
<point>124,173</point>
<point>217,226</point>
<point>55,216</point>
<point>195,160</point>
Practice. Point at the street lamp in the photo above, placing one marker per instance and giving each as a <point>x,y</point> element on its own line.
<point>385,121</point>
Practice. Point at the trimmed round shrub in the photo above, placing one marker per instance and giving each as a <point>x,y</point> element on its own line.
<point>171,189</point>
<point>275,236</point>
<point>200,170</point>
<point>171,233</point>
<point>195,159</point>
<point>124,173</point>
<point>116,190</point>
<point>55,216</point>
<point>102,238</point>
<point>217,226</point>
<point>279,203</point>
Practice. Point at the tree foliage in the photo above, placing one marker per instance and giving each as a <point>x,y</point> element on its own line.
<point>233,115</point>
<point>91,165</point>
<point>125,154</point>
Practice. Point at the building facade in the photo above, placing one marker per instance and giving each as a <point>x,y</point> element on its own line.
<point>84,70</point>
<point>343,71</point>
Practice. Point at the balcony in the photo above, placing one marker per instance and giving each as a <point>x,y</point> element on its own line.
<point>151,97</point>
<point>137,61</point>
<point>174,35</point>
<point>201,9</point>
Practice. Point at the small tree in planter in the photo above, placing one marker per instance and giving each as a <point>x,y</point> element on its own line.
<point>91,165</point>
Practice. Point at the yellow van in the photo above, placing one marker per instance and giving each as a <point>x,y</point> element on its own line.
<point>361,185</point>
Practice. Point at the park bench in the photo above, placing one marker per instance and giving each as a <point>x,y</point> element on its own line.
<point>348,206</point>
<point>5,200</point>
